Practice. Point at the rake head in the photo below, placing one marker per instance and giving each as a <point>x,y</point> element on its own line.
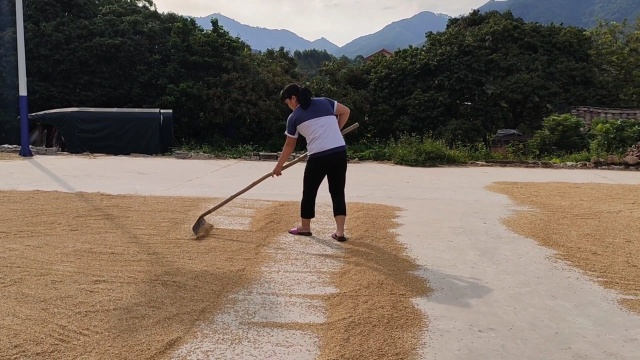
<point>201,227</point>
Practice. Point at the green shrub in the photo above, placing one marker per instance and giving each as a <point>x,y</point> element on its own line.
<point>609,137</point>
<point>519,151</point>
<point>413,151</point>
<point>562,139</point>
<point>233,152</point>
<point>461,132</point>
<point>369,151</point>
<point>478,153</point>
<point>560,135</point>
<point>573,158</point>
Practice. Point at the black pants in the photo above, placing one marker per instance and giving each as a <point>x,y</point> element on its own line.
<point>334,167</point>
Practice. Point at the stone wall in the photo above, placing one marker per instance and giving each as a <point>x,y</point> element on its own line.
<point>589,113</point>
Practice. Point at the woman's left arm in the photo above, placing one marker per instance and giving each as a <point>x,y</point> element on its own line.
<point>342,113</point>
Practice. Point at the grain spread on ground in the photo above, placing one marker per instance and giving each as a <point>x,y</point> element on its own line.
<point>593,227</point>
<point>108,277</point>
<point>373,316</point>
<point>9,156</point>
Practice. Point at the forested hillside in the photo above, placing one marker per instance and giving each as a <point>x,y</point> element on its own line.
<point>485,72</point>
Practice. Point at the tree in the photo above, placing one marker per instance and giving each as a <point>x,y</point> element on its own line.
<point>347,83</point>
<point>123,53</point>
<point>310,61</point>
<point>616,58</point>
<point>499,71</point>
<point>9,126</point>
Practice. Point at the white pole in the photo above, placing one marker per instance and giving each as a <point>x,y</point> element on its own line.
<point>25,150</point>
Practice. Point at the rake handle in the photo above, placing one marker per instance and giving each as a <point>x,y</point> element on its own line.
<point>268,175</point>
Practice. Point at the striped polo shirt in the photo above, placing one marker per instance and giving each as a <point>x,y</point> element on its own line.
<point>319,125</point>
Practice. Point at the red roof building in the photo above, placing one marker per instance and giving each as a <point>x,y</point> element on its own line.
<point>383,52</point>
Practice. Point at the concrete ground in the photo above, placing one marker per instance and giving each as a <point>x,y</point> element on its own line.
<point>497,295</point>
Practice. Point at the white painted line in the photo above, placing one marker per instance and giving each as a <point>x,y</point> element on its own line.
<point>299,268</point>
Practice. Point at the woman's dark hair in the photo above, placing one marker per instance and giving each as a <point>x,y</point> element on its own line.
<point>303,95</point>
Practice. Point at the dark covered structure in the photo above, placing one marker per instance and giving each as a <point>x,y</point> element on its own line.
<point>115,131</point>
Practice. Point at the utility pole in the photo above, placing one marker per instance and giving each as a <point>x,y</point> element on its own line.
<point>25,150</point>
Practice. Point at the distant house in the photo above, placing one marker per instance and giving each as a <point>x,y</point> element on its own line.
<point>383,52</point>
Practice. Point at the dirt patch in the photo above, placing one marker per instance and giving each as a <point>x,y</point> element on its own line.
<point>373,316</point>
<point>9,156</point>
<point>594,227</point>
<point>108,277</point>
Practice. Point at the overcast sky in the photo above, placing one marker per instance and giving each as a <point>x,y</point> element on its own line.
<point>340,21</point>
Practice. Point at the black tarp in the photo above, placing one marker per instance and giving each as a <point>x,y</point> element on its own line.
<point>115,131</point>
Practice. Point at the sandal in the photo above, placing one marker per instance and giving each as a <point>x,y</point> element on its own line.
<point>338,238</point>
<point>296,231</point>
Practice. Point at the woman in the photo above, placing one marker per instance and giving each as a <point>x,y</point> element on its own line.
<point>319,120</point>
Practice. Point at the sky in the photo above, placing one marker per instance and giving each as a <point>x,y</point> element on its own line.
<point>340,21</point>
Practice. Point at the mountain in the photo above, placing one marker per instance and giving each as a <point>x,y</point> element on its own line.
<point>398,34</point>
<point>581,13</point>
<point>262,39</point>
<point>324,44</point>
<point>494,5</point>
<point>412,31</point>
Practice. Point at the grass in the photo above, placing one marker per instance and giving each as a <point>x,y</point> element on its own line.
<point>231,152</point>
<point>413,151</point>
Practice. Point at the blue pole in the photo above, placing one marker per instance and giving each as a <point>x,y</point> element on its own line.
<point>25,150</point>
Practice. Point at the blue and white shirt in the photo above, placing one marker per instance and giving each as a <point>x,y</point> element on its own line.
<point>319,125</point>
